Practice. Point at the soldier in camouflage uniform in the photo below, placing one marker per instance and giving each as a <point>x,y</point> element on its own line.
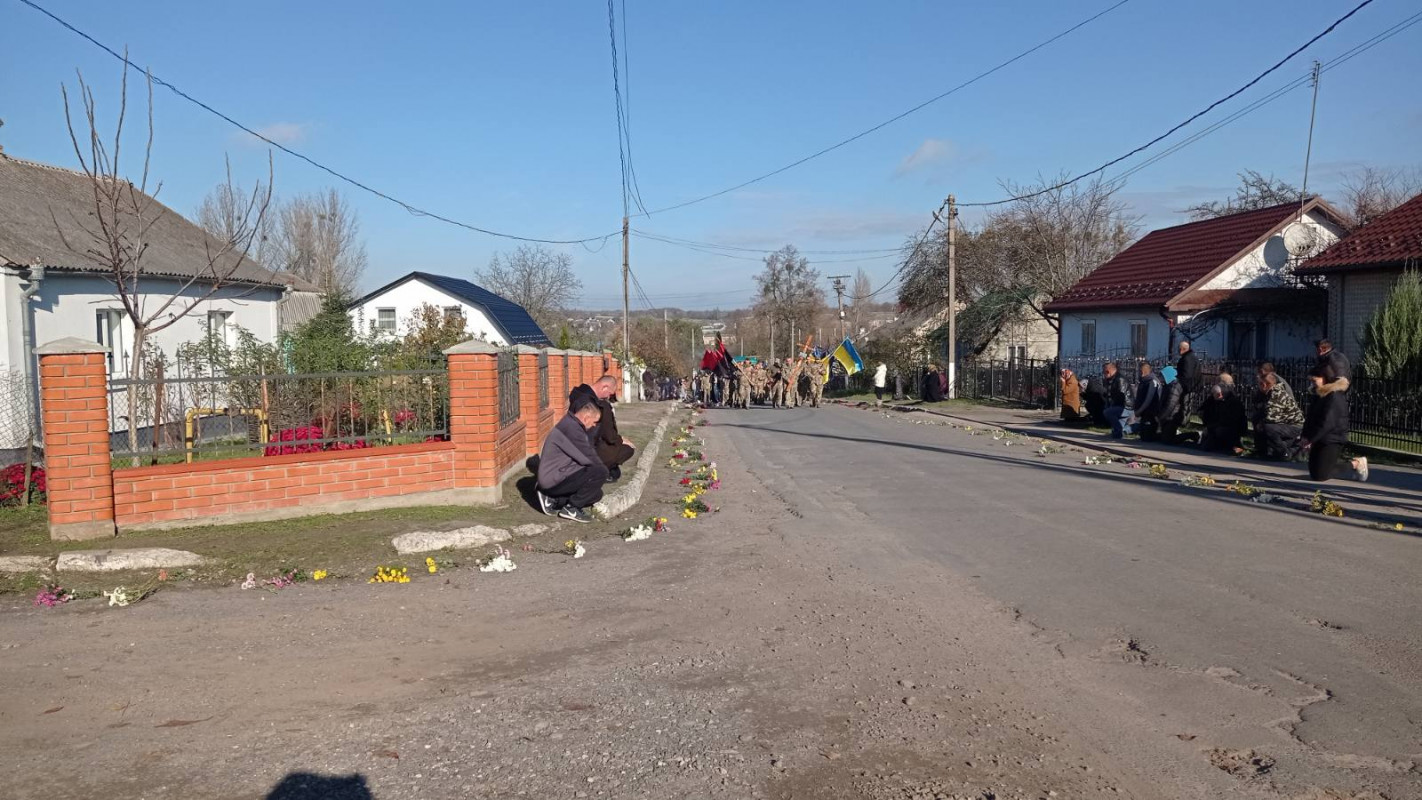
<point>792,382</point>
<point>777,385</point>
<point>815,369</point>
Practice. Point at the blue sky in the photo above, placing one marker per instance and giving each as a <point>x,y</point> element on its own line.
<point>501,114</point>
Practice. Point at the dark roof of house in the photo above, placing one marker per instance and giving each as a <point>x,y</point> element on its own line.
<point>1392,240</point>
<point>1168,261</point>
<point>512,319</point>
<point>47,214</point>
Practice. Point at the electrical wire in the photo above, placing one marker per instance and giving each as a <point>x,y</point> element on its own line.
<point>341,176</point>
<point>1207,109</point>
<point>937,217</point>
<point>1334,63</point>
<point>627,110</point>
<point>657,237</point>
<point>617,96</point>
<point>410,208</point>
<point>895,118</point>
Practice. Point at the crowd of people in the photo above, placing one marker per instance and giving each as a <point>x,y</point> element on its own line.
<point>1158,409</point>
<point>791,383</point>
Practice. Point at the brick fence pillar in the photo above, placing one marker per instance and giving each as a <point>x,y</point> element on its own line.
<point>558,387</point>
<point>529,409</point>
<point>474,414</point>
<point>74,405</point>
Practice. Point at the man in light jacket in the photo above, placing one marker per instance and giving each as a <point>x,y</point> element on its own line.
<point>570,474</point>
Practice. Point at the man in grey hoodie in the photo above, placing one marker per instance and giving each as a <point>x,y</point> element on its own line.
<point>570,474</point>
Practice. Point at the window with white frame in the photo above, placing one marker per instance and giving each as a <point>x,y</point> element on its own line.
<point>1088,337</point>
<point>109,324</point>
<point>453,312</point>
<point>1140,338</point>
<point>385,320</point>
<point>219,326</point>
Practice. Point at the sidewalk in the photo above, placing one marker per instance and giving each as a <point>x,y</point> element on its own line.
<point>1391,494</point>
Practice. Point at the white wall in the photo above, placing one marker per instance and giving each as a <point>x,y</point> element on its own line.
<point>68,305</point>
<point>407,298</point>
<point>1267,265</point>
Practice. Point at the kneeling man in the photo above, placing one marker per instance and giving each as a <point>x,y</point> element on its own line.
<point>570,474</point>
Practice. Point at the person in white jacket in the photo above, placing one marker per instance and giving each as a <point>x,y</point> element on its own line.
<point>881,379</point>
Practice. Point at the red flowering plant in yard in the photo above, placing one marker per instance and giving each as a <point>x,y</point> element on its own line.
<point>12,484</point>
<point>296,440</point>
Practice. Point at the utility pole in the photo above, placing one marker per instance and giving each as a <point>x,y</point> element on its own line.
<point>952,297</point>
<point>666,332</point>
<point>1308,153</point>
<point>839,297</point>
<point>626,325</point>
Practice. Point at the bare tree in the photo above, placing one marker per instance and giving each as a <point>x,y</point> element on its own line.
<point>122,218</point>
<point>222,214</point>
<point>1370,192</point>
<point>790,292</point>
<point>318,238</point>
<point>863,287</point>
<point>539,279</point>
<point>1033,249</point>
<point>1255,190</point>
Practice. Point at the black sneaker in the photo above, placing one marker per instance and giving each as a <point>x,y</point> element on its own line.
<point>575,514</point>
<point>614,475</point>
<point>547,504</point>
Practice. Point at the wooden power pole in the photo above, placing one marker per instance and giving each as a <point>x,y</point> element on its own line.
<point>626,326</point>
<point>839,296</point>
<point>952,297</point>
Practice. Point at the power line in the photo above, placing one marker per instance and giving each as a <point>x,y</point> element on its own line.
<point>712,245</point>
<point>1297,83</point>
<point>627,110</point>
<point>937,217</point>
<point>412,209</point>
<point>1177,127</point>
<point>720,254</point>
<point>617,96</point>
<point>894,118</point>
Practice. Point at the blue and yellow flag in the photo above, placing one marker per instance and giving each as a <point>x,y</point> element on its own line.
<point>848,358</point>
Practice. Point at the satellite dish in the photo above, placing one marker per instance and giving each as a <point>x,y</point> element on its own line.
<point>1300,239</point>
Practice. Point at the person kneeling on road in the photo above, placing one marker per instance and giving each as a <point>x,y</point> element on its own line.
<point>612,447</point>
<point>570,474</point>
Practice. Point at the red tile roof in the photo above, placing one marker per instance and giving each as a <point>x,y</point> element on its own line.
<point>1168,261</point>
<point>1394,239</point>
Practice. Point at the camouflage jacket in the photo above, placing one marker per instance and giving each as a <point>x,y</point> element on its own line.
<point>1281,407</point>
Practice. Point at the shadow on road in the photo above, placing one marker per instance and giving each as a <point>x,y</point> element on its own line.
<point>1301,493</point>
<point>310,786</point>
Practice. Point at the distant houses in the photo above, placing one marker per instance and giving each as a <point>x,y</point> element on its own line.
<point>388,311</point>
<point>1226,284</point>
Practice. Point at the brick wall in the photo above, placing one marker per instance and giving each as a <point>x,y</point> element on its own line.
<point>89,499</point>
<point>147,495</point>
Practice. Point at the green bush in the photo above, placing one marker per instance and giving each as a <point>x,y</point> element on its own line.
<point>1392,340</point>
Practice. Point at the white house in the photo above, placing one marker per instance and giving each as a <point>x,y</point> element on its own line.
<point>51,287</point>
<point>1225,284</point>
<point>390,310</point>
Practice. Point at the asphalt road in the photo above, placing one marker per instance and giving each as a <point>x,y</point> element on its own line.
<point>1248,627</point>
<point>880,610</point>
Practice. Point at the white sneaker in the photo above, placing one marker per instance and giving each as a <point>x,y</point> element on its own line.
<point>1360,464</point>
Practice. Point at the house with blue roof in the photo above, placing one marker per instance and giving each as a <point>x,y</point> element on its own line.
<point>390,309</point>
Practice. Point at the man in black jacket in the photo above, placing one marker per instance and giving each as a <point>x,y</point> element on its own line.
<point>1117,410</point>
<point>1187,371</point>
<point>1147,405</point>
<point>612,448</point>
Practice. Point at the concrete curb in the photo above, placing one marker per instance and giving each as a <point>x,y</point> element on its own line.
<point>629,495</point>
<point>123,559</point>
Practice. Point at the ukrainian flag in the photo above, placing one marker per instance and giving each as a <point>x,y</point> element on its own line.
<point>848,358</point>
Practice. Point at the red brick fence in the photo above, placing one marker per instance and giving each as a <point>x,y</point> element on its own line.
<point>90,498</point>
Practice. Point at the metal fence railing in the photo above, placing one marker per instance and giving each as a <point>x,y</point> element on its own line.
<point>508,387</point>
<point>17,416</point>
<point>542,379</point>
<point>1030,382</point>
<point>174,419</point>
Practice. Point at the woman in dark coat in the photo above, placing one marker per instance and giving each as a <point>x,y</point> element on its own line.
<point>1325,429</point>
<point>1223,416</point>
<point>932,386</point>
